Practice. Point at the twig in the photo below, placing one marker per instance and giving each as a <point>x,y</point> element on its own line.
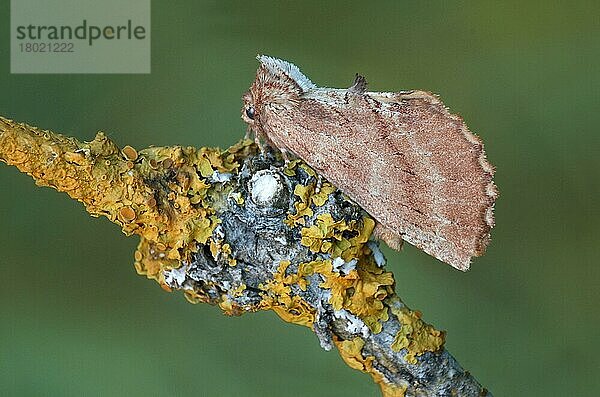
<point>245,232</point>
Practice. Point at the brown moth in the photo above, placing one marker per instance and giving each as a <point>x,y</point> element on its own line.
<point>412,165</point>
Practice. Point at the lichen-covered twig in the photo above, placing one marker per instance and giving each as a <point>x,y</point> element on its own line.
<point>243,231</point>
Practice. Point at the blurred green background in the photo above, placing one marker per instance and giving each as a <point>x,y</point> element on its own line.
<point>77,320</point>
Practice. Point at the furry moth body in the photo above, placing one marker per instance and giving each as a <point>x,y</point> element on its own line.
<point>413,166</point>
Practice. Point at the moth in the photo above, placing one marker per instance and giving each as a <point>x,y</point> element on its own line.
<point>402,156</point>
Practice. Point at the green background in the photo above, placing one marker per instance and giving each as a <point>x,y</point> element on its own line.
<point>77,320</point>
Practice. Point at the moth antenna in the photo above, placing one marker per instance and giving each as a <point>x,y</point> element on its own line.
<point>248,132</point>
<point>319,183</point>
<point>258,143</point>
<point>279,66</point>
<point>359,86</point>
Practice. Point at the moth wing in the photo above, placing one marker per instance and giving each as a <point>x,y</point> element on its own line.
<point>404,158</point>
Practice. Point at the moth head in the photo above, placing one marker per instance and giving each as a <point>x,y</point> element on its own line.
<point>278,85</point>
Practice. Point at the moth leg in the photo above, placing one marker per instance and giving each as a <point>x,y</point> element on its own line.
<point>319,183</point>
<point>259,144</point>
<point>286,157</point>
<point>391,238</point>
<point>248,133</point>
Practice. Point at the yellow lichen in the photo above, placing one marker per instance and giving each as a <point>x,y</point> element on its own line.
<point>277,297</point>
<point>130,153</point>
<point>290,168</point>
<point>163,194</point>
<point>239,290</point>
<point>320,198</point>
<point>226,252</point>
<point>307,169</point>
<point>361,291</point>
<point>388,389</point>
<point>321,236</point>
<point>327,235</point>
<point>309,196</point>
<point>302,207</point>
<point>351,353</point>
<point>416,336</point>
<point>221,250</point>
<point>151,260</point>
<point>158,193</point>
<point>237,197</point>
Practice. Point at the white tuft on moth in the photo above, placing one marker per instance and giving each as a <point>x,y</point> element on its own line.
<point>412,165</point>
